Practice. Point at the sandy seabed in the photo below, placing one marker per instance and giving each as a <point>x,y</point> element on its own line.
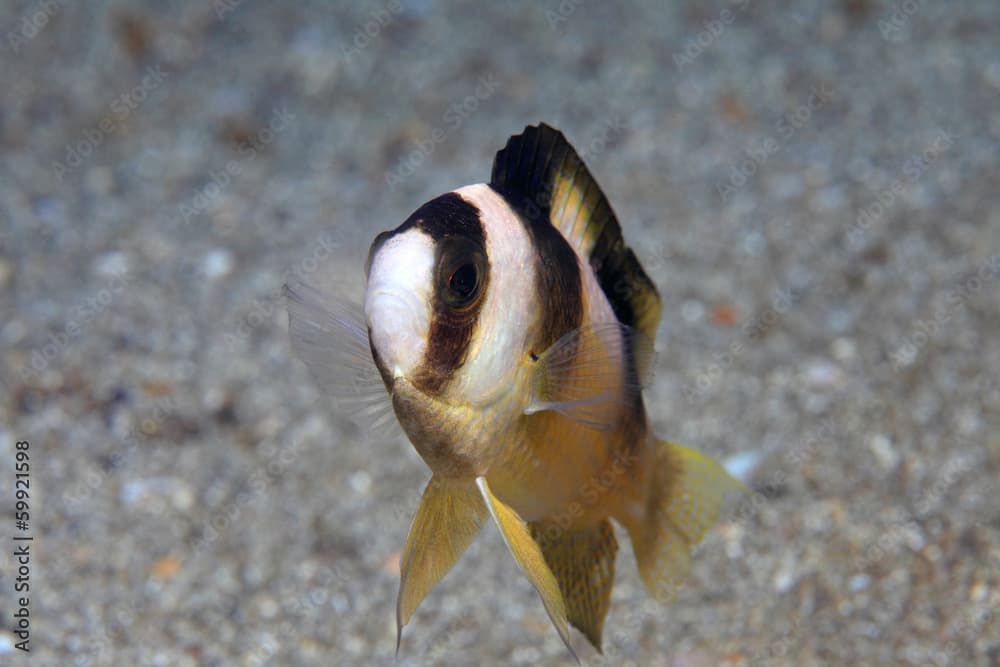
<point>813,187</point>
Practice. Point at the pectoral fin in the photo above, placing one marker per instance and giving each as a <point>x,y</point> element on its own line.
<point>590,374</point>
<point>530,559</point>
<point>449,517</point>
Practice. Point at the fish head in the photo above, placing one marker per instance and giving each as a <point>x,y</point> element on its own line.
<point>450,319</point>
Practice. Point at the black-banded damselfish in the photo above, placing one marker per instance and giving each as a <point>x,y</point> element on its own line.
<point>512,329</point>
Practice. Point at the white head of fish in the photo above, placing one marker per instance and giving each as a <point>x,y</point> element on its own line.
<point>401,292</point>
<point>398,300</point>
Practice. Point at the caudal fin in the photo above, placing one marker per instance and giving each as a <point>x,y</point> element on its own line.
<point>686,493</point>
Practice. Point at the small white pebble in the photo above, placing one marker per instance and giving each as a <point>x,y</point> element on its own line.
<point>859,582</point>
<point>268,607</point>
<point>784,578</point>
<point>844,349</point>
<point>978,591</point>
<point>783,581</point>
<point>742,465</point>
<point>361,482</point>
<point>112,263</point>
<point>692,311</point>
<point>884,452</point>
<point>822,374</point>
<point>217,263</point>
<point>182,498</point>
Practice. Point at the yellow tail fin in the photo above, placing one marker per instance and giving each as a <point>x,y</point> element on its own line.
<point>583,562</point>
<point>686,493</point>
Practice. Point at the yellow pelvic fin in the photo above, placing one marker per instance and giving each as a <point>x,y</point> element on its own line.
<point>449,517</point>
<point>583,562</point>
<point>529,558</point>
<point>686,493</point>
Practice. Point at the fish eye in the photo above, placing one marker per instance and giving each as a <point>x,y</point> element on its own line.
<point>464,281</point>
<point>461,273</point>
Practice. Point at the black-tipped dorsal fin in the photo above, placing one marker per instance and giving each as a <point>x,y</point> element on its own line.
<point>542,176</point>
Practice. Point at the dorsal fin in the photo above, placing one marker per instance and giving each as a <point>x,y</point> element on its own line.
<point>541,175</point>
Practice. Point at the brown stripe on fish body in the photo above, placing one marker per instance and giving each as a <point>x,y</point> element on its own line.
<point>450,221</point>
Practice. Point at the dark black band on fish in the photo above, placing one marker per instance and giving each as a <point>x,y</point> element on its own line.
<point>557,272</point>
<point>540,174</point>
<point>459,291</point>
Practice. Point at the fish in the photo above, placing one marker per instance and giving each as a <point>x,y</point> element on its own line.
<point>510,331</point>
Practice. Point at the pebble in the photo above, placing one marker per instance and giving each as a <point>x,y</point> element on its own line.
<point>217,263</point>
<point>361,482</point>
<point>692,311</point>
<point>885,454</point>
<point>114,263</point>
<point>742,465</point>
<point>859,582</point>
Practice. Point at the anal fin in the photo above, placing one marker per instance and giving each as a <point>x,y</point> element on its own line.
<point>449,517</point>
<point>530,559</point>
<point>685,497</point>
<point>583,562</point>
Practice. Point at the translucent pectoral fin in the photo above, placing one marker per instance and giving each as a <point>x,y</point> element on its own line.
<point>449,517</point>
<point>330,337</point>
<point>529,558</point>
<point>590,372</point>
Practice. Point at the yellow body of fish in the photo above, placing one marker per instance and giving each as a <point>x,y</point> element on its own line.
<point>513,330</point>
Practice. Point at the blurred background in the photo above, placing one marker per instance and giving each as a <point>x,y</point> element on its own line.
<point>812,185</point>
